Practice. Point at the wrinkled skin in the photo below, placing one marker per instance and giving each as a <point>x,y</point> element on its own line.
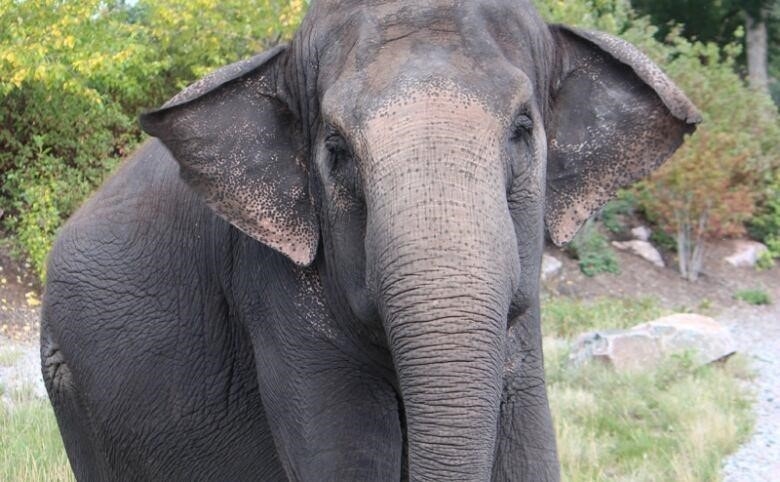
<point>327,266</point>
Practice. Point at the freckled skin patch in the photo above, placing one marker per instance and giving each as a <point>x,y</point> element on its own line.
<point>617,117</point>
<point>331,267</point>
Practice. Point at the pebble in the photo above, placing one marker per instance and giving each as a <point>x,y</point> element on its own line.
<point>758,336</point>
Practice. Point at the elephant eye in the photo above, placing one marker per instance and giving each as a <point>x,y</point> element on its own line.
<point>336,145</point>
<point>522,126</point>
<point>338,150</point>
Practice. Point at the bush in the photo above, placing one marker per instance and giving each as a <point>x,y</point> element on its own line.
<point>753,297</point>
<point>613,214</point>
<point>765,225</point>
<point>593,251</point>
<point>74,75</point>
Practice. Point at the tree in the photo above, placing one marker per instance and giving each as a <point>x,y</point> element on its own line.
<point>718,20</point>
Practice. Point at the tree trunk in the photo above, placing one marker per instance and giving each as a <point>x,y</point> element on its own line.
<point>757,52</point>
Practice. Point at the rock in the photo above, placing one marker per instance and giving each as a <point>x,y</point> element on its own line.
<point>746,254</point>
<point>647,344</point>
<point>551,267</point>
<point>643,249</point>
<point>642,233</point>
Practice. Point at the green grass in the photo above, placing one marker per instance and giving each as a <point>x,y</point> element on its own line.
<point>753,297</point>
<point>674,422</point>
<point>30,446</point>
<point>565,317</point>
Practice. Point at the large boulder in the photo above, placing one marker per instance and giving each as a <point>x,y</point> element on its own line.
<point>746,254</point>
<point>643,249</point>
<point>645,345</point>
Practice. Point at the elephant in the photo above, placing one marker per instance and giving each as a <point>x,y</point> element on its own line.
<point>324,265</point>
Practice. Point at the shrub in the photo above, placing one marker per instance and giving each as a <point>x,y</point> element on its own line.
<point>613,213</point>
<point>765,226</point>
<point>593,251</point>
<point>753,297</point>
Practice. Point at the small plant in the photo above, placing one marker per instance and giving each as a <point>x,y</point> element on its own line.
<point>766,260</point>
<point>661,239</point>
<point>594,253</point>
<point>614,212</point>
<point>754,297</point>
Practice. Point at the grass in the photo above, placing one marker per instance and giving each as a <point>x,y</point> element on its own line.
<point>565,317</point>
<point>9,356</point>
<point>753,297</point>
<point>673,422</point>
<point>30,446</point>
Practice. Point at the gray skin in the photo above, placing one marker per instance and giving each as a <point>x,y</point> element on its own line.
<point>327,267</point>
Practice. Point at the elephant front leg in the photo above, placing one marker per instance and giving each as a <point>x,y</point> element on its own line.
<point>331,419</point>
<point>526,448</point>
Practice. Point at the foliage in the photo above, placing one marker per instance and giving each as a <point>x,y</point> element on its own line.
<point>753,297</point>
<point>613,213</point>
<point>765,225</point>
<point>565,318</point>
<point>642,425</point>
<point>705,20</point>
<point>716,21</point>
<point>663,240</point>
<point>593,251</point>
<point>707,190</point>
<point>607,15</point>
<point>74,75</point>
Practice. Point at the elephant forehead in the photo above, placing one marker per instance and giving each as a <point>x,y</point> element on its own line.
<point>433,111</point>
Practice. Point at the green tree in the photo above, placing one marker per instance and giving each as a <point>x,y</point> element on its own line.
<point>718,20</point>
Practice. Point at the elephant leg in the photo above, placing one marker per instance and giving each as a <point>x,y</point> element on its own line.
<point>526,449</point>
<point>87,458</point>
<point>331,419</point>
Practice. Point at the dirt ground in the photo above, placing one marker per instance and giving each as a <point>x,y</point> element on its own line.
<point>20,295</point>
<point>710,295</point>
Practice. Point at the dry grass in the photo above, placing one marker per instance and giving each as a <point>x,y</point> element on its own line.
<point>675,422</point>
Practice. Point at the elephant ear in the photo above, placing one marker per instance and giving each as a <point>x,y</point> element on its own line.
<point>239,146</point>
<point>615,116</point>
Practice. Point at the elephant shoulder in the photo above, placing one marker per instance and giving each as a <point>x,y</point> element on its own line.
<point>143,217</point>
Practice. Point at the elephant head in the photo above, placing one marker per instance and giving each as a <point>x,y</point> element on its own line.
<point>415,153</point>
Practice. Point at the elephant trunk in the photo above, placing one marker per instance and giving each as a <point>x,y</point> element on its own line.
<point>442,259</point>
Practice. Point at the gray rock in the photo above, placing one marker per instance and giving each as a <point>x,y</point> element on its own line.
<point>551,267</point>
<point>647,344</point>
<point>746,254</point>
<point>642,249</point>
<point>642,233</point>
